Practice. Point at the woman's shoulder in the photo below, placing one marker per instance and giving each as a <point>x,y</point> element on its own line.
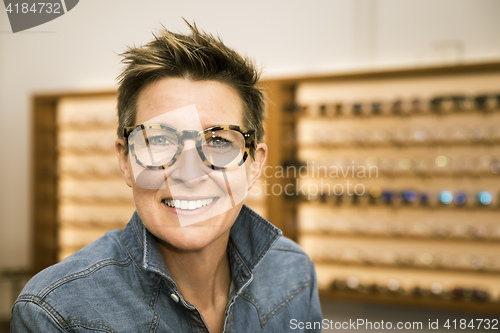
<point>286,260</point>
<point>286,244</point>
<point>287,256</point>
<point>79,267</point>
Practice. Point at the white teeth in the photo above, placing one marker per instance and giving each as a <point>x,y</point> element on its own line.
<point>188,204</point>
<point>184,204</point>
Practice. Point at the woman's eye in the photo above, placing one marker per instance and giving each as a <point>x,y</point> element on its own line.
<point>219,142</point>
<point>158,140</point>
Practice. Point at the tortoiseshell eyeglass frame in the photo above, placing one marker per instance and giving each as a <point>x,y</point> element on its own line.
<point>248,135</point>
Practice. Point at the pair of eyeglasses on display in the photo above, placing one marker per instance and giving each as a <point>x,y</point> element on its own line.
<point>159,146</point>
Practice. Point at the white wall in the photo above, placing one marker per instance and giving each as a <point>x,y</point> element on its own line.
<point>79,51</point>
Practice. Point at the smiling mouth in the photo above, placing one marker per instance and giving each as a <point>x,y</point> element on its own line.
<point>188,204</point>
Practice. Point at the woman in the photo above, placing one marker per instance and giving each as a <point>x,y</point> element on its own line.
<point>193,258</point>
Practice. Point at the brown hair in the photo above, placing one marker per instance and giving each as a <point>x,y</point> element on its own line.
<point>197,56</point>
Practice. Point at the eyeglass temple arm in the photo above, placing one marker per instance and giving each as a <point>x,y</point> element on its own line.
<point>126,134</point>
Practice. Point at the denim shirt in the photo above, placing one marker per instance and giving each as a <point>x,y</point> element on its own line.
<point>120,283</point>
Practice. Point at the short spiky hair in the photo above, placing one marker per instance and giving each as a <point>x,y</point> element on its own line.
<point>197,56</point>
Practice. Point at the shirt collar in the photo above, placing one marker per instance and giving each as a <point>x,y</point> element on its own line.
<point>251,237</point>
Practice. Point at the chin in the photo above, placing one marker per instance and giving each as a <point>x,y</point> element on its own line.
<point>192,238</point>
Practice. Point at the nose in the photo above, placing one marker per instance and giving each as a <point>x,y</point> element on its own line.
<point>189,168</point>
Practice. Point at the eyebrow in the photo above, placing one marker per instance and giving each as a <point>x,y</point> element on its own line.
<point>202,129</point>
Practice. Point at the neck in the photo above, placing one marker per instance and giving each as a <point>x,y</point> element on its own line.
<point>203,276</point>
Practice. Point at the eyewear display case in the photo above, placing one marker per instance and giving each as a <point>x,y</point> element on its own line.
<point>389,179</point>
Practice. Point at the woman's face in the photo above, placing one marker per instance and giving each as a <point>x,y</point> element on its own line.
<point>189,206</point>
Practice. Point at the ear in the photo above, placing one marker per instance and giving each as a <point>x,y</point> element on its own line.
<point>257,164</point>
<point>123,161</point>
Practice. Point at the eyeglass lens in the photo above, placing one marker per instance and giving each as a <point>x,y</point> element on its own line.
<point>158,146</point>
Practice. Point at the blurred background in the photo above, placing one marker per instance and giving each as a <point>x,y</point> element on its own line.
<point>409,90</point>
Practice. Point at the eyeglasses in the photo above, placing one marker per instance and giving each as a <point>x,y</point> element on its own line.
<point>159,146</point>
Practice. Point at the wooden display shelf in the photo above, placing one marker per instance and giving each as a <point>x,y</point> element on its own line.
<point>409,301</point>
<point>293,106</point>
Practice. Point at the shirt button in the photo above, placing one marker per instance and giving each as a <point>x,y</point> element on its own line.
<point>174,297</point>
